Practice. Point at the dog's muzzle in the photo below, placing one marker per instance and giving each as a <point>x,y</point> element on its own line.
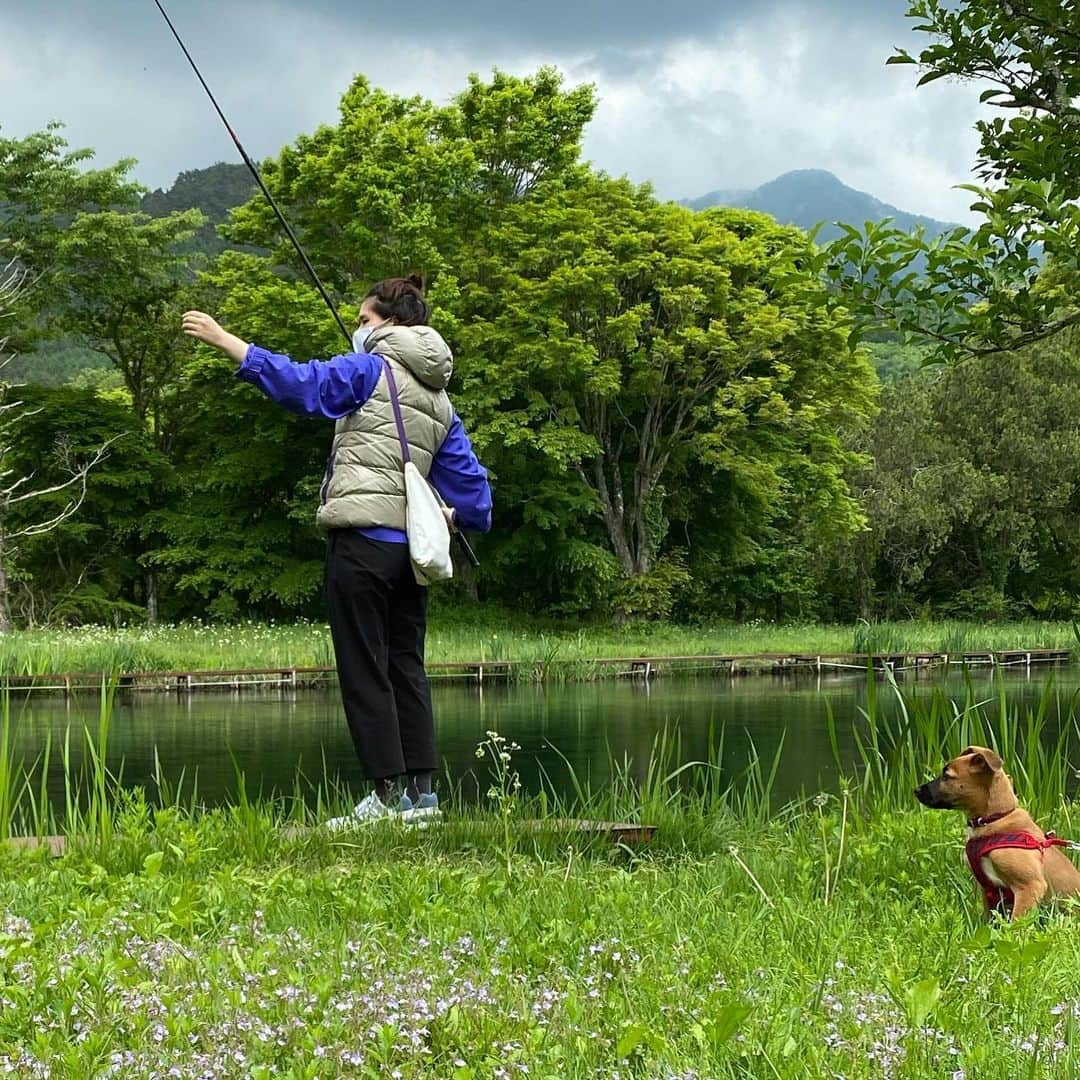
<point>929,795</point>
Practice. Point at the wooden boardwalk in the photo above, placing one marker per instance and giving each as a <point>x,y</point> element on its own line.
<point>481,671</point>
<point>617,832</point>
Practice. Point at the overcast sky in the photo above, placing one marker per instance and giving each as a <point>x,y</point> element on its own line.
<point>694,96</point>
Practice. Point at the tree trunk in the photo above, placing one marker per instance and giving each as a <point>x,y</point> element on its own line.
<point>465,573</point>
<point>644,485</point>
<point>643,554</point>
<point>611,507</point>
<point>151,598</point>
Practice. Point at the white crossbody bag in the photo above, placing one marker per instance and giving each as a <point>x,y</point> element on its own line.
<point>425,524</point>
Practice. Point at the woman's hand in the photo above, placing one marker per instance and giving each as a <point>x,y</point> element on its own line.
<point>206,328</point>
<point>451,522</point>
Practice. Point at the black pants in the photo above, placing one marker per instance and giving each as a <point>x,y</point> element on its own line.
<point>378,617</point>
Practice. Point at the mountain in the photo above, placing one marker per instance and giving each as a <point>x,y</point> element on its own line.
<point>214,191</point>
<point>806,196</point>
<point>803,197</point>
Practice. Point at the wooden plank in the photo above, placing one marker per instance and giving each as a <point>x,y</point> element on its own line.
<point>620,832</point>
<point>186,680</point>
<point>57,845</point>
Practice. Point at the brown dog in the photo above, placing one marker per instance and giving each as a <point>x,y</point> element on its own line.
<point>1015,862</point>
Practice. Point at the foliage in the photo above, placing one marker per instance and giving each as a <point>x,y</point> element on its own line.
<point>43,186</point>
<point>655,594</point>
<point>106,277</point>
<point>31,506</point>
<point>1011,281</point>
<point>87,568</point>
<point>520,244</point>
<point>241,532</point>
<point>399,183</point>
<point>117,293</point>
<point>621,342</point>
<point>974,492</point>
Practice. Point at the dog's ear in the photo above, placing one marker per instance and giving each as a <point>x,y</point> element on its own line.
<point>981,758</point>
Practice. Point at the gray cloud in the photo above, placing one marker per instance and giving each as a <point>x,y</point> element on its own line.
<point>700,96</point>
<point>782,93</point>
<point>565,25</point>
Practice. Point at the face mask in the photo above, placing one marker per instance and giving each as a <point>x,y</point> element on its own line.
<point>360,336</point>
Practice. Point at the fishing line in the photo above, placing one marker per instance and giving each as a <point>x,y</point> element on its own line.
<point>466,547</point>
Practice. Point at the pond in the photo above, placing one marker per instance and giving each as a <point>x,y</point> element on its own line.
<point>273,736</point>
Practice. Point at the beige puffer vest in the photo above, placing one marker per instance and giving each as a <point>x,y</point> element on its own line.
<point>364,484</point>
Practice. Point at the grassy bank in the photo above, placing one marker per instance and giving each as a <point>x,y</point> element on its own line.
<point>839,936</point>
<point>490,635</point>
<point>216,948</point>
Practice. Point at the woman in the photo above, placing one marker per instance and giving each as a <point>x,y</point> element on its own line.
<point>378,612</point>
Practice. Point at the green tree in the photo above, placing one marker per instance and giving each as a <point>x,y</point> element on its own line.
<point>400,184</point>
<point>972,490</point>
<point>611,350</point>
<point>118,292</point>
<point>103,273</point>
<point>240,534</point>
<point>30,505</point>
<point>621,347</point>
<point>86,568</point>
<point>1013,280</point>
<point>43,186</point>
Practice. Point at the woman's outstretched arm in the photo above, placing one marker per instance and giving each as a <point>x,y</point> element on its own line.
<point>327,388</point>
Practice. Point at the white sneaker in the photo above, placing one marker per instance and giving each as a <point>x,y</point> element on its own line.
<point>423,813</point>
<point>366,812</point>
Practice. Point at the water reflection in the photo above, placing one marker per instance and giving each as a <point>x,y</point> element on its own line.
<point>272,735</point>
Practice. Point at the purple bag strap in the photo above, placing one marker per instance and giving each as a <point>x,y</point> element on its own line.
<point>391,384</point>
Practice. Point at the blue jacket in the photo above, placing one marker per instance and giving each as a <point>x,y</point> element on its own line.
<point>334,388</point>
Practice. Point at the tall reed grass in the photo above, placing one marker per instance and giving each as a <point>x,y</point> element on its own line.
<point>899,748</point>
<point>900,737</point>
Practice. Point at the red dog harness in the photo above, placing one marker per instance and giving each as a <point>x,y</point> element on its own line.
<point>1000,897</point>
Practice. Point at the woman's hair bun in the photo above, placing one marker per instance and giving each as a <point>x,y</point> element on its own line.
<point>401,299</point>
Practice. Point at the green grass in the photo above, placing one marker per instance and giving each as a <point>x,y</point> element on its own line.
<point>217,947</point>
<point>546,649</point>
<point>836,936</point>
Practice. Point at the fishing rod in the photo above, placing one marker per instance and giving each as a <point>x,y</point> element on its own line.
<point>466,547</point>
